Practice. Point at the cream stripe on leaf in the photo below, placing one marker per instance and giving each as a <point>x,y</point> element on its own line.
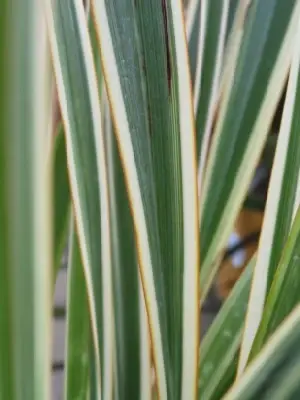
<point>275,372</point>
<point>233,45</point>
<point>203,32</point>
<point>80,106</point>
<point>117,66</point>
<point>233,7</point>
<point>152,111</point>
<point>280,207</point>
<point>190,289</point>
<point>146,384</point>
<point>42,224</point>
<point>243,123</point>
<point>195,23</point>
<point>286,280</point>
<point>191,16</point>
<point>194,27</point>
<point>207,85</point>
<point>78,333</point>
<point>224,337</point>
<point>126,284</point>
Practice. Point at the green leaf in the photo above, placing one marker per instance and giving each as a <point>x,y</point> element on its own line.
<point>96,53</point>
<point>286,281</point>
<point>274,374</point>
<point>209,67</point>
<point>6,360</point>
<point>149,91</point>
<point>250,94</point>
<point>281,205</point>
<point>80,106</point>
<point>223,338</point>
<point>29,208</point>
<point>78,327</point>
<point>193,20</point>
<point>125,275</point>
<point>62,200</point>
<point>233,7</point>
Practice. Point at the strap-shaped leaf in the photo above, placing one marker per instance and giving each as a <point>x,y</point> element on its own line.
<point>192,16</point>
<point>208,73</point>
<point>284,292</point>
<point>126,294</point>
<point>233,6</point>
<point>280,205</point>
<point>246,110</point>
<point>62,200</point>
<point>196,23</point>
<point>96,54</point>
<point>78,326</point>
<point>146,368</point>
<point>29,238</point>
<point>219,349</point>
<point>79,100</point>
<point>275,373</point>
<point>193,26</point>
<point>145,65</point>
<point>6,360</point>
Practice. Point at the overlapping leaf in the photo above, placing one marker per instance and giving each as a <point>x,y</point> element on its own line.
<point>280,208</point>
<point>145,67</point>
<point>80,107</point>
<point>252,90</point>
<point>286,280</point>
<point>193,21</point>
<point>78,326</point>
<point>208,72</point>
<point>125,276</point>
<point>275,373</point>
<point>219,348</point>
<point>29,212</point>
<point>62,199</point>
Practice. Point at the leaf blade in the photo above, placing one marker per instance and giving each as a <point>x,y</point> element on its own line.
<point>29,237</point>
<point>78,327</point>
<point>246,146</point>
<point>275,370</point>
<point>224,337</point>
<point>279,209</point>
<point>125,276</point>
<point>286,279</point>
<point>80,106</point>
<point>62,200</point>
<point>128,72</point>
<point>6,362</point>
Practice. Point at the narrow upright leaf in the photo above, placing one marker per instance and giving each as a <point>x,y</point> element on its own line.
<point>79,101</point>
<point>208,73</point>
<point>233,6</point>
<point>126,293</point>
<point>279,207</point>
<point>246,111</point>
<point>224,338</point>
<point>62,200</point>
<point>29,203</point>
<point>275,373</point>
<point>6,358</point>
<point>78,326</point>
<point>286,281</point>
<point>194,26</point>
<point>149,91</point>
